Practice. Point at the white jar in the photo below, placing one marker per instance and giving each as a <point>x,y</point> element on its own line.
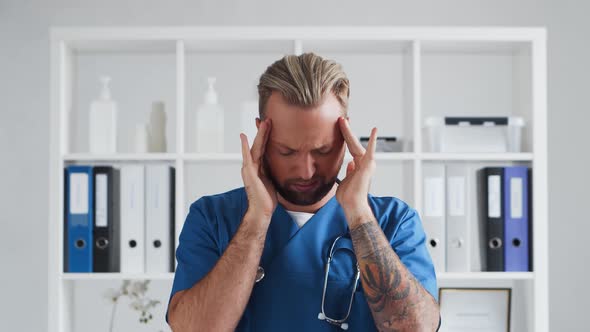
<point>210,123</point>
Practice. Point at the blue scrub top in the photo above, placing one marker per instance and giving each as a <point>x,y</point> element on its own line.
<point>289,297</point>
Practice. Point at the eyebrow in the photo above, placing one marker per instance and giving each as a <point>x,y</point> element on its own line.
<point>291,149</point>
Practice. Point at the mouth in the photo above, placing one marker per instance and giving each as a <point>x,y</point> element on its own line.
<point>303,187</point>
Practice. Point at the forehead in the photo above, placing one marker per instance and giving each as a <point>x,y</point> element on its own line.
<point>298,127</point>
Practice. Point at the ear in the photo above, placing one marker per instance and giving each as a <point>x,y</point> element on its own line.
<point>258,123</point>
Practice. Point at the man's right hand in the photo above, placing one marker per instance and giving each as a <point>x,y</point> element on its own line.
<point>262,196</point>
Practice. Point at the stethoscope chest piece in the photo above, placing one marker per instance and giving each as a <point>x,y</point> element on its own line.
<point>259,274</point>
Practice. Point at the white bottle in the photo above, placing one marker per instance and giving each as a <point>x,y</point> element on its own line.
<point>141,138</point>
<point>157,128</point>
<point>102,121</point>
<point>210,123</point>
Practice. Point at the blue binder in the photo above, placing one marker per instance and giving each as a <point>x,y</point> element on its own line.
<point>79,218</point>
<point>516,219</point>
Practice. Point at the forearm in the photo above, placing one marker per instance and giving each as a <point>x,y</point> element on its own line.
<point>217,302</point>
<point>397,300</point>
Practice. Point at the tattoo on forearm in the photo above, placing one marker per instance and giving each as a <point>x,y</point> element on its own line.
<point>395,297</point>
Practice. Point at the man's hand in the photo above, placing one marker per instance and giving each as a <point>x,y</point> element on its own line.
<point>353,190</point>
<point>262,196</point>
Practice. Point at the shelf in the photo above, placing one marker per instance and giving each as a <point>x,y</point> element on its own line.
<point>379,156</point>
<point>486,276</point>
<point>385,156</point>
<point>477,156</point>
<point>115,276</point>
<point>212,157</point>
<point>120,157</point>
<point>170,276</point>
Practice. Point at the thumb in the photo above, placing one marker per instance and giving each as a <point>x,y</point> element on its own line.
<point>350,167</point>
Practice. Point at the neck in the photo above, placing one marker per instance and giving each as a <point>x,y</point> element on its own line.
<point>308,208</point>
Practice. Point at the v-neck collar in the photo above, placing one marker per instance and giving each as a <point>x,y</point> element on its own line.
<point>283,229</point>
<point>293,230</point>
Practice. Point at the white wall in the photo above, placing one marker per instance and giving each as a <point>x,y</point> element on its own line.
<point>24,117</point>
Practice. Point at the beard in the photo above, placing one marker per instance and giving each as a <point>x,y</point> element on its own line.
<point>299,197</point>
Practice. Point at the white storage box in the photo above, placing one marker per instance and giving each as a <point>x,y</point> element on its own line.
<point>384,144</point>
<point>474,134</point>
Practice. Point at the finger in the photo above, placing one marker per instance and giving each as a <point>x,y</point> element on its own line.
<point>353,144</point>
<point>350,168</point>
<point>258,140</point>
<point>246,156</point>
<point>266,136</point>
<point>372,144</point>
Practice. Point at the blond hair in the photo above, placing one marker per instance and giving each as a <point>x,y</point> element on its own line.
<point>303,80</point>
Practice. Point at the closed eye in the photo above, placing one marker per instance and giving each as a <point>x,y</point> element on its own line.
<point>325,151</point>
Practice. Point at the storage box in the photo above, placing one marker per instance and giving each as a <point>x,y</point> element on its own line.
<point>474,134</point>
<point>384,144</point>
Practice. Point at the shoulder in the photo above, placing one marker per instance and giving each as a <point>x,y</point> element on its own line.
<point>222,202</point>
<point>220,213</point>
<point>393,213</point>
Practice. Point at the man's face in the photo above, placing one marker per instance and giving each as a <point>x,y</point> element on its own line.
<point>305,149</point>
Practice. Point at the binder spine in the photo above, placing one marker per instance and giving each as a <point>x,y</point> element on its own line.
<point>494,188</point>
<point>172,218</point>
<point>80,206</point>
<point>516,221</point>
<point>106,254</point>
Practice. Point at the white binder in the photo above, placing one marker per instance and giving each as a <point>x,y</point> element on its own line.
<point>159,219</point>
<point>132,219</point>
<point>434,213</point>
<point>459,202</point>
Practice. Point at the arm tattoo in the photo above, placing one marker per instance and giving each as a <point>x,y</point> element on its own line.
<point>397,300</point>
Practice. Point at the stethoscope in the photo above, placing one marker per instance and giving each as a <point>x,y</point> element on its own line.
<point>322,315</point>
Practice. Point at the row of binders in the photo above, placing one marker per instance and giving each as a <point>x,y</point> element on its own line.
<point>478,219</point>
<point>119,219</point>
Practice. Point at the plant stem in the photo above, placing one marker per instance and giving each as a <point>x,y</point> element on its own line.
<point>113,316</point>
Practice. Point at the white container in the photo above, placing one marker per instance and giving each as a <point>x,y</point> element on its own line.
<point>210,123</point>
<point>102,121</point>
<point>141,138</point>
<point>474,134</point>
<point>157,128</point>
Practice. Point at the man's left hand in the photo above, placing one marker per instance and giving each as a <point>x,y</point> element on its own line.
<point>352,193</point>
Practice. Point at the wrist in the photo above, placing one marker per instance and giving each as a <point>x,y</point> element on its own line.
<point>358,216</point>
<point>257,217</point>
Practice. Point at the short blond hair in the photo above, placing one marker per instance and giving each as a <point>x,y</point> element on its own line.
<point>303,80</point>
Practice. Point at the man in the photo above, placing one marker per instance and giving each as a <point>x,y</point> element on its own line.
<point>254,258</point>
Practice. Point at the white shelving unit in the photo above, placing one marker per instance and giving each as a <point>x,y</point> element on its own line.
<point>398,77</point>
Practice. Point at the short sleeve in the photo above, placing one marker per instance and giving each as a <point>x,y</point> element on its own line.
<point>197,251</point>
<point>409,242</point>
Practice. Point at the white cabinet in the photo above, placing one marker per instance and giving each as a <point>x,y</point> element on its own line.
<point>399,76</point>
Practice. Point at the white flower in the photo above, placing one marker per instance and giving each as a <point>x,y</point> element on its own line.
<point>138,288</point>
<point>112,295</point>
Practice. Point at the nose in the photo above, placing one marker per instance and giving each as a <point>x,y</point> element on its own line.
<point>305,166</point>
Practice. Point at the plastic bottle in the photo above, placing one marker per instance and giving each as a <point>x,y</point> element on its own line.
<point>157,128</point>
<point>210,122</point>
<point>141,138</point>
<point>102,121</point>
